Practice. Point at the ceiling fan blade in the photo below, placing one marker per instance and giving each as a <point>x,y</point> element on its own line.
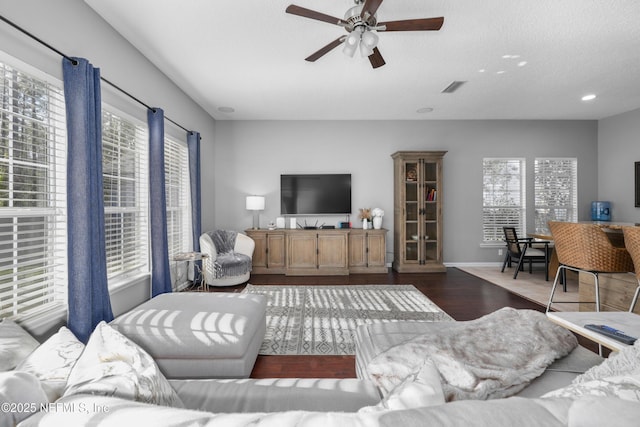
<point>370,7</point>
<point>376,58</point>
<point>312,14</point>
<point>320,53</point>
<point>426,24</point>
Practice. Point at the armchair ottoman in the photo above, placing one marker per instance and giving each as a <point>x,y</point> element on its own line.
<point>199,335</point>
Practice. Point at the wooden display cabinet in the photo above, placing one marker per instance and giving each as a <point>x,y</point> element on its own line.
<point>418,211</point>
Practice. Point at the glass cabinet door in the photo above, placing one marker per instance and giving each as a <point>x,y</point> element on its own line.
<point>429,212</point>
<point>411,211</point>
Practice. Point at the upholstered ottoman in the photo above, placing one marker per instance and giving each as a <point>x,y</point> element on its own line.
<point>199,335</point>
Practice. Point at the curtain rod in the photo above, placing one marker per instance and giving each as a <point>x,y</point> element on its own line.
<point>74,62</point>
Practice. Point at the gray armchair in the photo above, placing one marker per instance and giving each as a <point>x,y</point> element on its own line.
<point>229,257</point>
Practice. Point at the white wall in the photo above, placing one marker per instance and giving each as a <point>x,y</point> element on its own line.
<point>249,157</point>
<point>618,150</point>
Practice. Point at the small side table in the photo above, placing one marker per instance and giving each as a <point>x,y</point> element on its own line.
<point>192,257</point>
<point>624,321</point>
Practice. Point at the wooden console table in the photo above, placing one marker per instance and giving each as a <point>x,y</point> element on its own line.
<point>319,252</point>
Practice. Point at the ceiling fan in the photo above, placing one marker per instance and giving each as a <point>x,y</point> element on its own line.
<point>362,24</point>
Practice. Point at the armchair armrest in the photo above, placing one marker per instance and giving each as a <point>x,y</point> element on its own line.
<point>207,247</point>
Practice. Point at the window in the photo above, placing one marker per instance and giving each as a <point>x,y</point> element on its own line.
<point>176,163</point>
<point>504,200</point>
<point>556,191</point>
<point>32,194</point>
<point>125,185</point>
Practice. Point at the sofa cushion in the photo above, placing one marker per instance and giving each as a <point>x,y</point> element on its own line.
<point>198,325</point>
<point>15,344</point>
<point>276,394</point>
<point>113,365</point>
<point>52,361</point>
<point>20,395</point>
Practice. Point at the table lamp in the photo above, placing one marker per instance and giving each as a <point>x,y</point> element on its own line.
<point>255,204</point>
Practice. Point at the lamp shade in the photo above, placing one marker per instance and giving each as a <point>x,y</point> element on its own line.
<point>351,43</point>
<point>368,43</point>
<point>255,203</point>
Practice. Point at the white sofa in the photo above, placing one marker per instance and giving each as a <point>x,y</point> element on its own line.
<point>135,393</point>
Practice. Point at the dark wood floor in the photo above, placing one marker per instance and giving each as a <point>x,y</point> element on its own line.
<point>461,295</point>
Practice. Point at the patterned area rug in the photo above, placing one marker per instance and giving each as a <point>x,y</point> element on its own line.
<point>321,320</point>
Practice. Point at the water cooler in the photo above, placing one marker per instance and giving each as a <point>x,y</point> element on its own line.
<point>600,211</point>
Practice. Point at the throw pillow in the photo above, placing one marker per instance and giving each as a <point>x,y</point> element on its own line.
<point>113,365</point>
<point>623,362</point>
<point>421,389</point>
<point>626,387</point>
<point>20,395</point>
<point>53,360</point>
<point>15,344</point>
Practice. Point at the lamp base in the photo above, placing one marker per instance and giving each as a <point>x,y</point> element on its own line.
<point>256,220</point>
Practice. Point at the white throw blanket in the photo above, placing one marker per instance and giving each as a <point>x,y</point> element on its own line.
<point>491,357</point>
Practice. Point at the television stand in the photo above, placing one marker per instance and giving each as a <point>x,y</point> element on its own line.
<point>329,251</point>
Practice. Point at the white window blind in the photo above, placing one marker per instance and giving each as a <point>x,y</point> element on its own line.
<point>125,186</point>
<point>177,190</point>
<point>32,195</point>
<point>556,191</point>
<point>504,198</point>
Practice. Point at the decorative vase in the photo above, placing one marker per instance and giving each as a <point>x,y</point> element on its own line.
<point>377,222</point>
<point>365,224</point>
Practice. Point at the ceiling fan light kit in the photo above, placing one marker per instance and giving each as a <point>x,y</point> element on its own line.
<point>361,22</point>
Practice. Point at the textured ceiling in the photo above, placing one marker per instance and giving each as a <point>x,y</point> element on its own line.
<point>249,55</point>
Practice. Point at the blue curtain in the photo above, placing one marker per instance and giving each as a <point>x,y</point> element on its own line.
<point>160,272</point>
<point>88,292</point>
<point>193,145</point>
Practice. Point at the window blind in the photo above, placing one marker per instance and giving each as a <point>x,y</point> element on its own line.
<point>556,191</point>
<point>32,195</point>
<point>177,194</point>
<point>504,197</point>
<point>125,186</point>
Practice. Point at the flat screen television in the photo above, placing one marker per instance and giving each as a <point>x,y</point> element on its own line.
<point>319,194</point>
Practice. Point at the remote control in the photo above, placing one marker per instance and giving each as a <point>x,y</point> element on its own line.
<point>612,333</point>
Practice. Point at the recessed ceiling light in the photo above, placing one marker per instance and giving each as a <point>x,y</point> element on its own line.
<point>424,110</point>
<point>226,109</point>
<point>522,63</point>
<point>589,97</point>
<point>500,72</point>
<point>481,70</point>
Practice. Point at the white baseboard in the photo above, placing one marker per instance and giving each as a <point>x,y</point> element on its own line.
<point>473,264</point>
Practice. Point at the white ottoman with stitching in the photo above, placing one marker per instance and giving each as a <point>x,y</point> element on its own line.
<point>199,335</point>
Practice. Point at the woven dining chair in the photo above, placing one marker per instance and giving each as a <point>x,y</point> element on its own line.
<point>584,247</point>
<point>632,243</point>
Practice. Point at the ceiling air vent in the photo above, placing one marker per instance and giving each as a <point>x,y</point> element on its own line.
<point>454,86</point>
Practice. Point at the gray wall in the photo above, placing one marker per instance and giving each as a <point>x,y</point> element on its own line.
<point>73,28</point>
<point>249,157</point>
<point>618,150</point>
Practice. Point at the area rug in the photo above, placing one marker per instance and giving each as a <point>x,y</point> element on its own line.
<point>321,320</point>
